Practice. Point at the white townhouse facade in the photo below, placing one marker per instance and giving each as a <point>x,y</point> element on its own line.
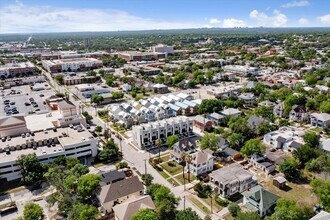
<point>241,70</point>
<point>145,136</point>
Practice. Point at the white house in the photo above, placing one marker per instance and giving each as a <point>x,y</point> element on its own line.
<point>201,162</point>
<point>320,120</point>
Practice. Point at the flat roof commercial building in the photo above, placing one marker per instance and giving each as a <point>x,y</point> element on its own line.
<point>75,64</point>
<point>140,56</point>
<point>16,69</point>
<point>47,145</point>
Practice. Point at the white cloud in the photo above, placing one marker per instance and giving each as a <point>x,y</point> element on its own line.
<point>277,20</point>
<point>20,18</point>
<point>325,19</point>
<point>214,21</point>
<point>232,22</point>
<point>295,4</point>
<point>303,21</point>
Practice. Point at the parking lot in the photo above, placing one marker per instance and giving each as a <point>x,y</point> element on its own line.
<point>19,98</point>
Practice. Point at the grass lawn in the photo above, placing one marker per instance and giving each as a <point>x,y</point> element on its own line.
<point>229,217</point>
<point>180,178</point>
<point>301,193</point>
<point>173,182</point>
<point>165,158</point>
<point>163,174</point>
<point>199,205</point>
<point>97,165</point>
<point>215,205</point>
<point>172,167</point>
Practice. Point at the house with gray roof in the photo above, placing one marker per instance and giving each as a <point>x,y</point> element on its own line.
<point>261,161</point>
<point>215,118</point>
<point>231,112</point>
<point>186,146</point>
<point>259,200</point>
<point>126,210</point>
<point>248,98</point>
<point>320,120</point>
<point>278,110</point>
<point>201,162</point>
<point>231,179</point>
<point>119,192</point>
<point>111,176</point>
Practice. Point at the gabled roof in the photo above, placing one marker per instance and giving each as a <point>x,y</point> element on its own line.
<point>216,116</point>
<point>263,197</point>
<point>120,189</point>
<point>201,156</point>
<point>126,210</point>
<point>255,121</point>
<point>112,176</point>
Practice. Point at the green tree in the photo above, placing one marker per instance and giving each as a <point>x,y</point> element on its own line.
<point>239,125</point>
<point>288,209</point>
<point>33,211</point>
<point>97,99</point>
<point>79,169</point>
<point>117,95</point>
<point>98,129</point>
<point>253,146</point>
<point>292,100</point>
<point>322,189</point>
<point>236,140</point>
<point>312,139</point>
<point>88,117</point>
<point>59,78</point>
<point>264,112</point>
<point>31,169</point>
<point>325,107</point>
<point>147,179</point>
<point>209,140</point>
<point>290,168</point>
<point>311,79</point>
<point>171,140</point>
<point>233,208</point>
<point>305,153</point>
<point>82,211</point>
<point>145,214</point>
<point>187,214</point>
<point>88,185</point>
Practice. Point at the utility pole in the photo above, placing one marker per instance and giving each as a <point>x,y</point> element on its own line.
<point>145,166</point>
<point>184,203</point>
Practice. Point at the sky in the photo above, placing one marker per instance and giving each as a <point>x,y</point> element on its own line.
<point>36,16</point>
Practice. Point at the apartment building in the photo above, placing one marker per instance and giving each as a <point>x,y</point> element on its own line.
<point>231,179</point>
<point>75,64</point>
<point>241,70</point>
<point>145,136</point>
<point>47,144</point>
<point>16,69</point>
<point>140,56</point>
<point>162,48</point>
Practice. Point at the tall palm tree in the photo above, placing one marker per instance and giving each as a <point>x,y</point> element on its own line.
<point>188,160</point>
<point>183,158</point>
<point>158,144</point>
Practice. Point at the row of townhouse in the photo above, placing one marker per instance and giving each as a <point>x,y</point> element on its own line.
<point>152,109</point>
<point>145,136</point>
